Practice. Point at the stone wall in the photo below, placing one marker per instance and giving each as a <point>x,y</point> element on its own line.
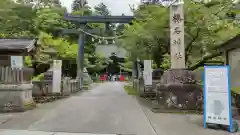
<point>15,89</point>
<point>14,98</point>
<point>44,87</point>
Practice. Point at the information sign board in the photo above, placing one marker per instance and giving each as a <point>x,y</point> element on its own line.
<point>17,61</point>
<point>217,96</point>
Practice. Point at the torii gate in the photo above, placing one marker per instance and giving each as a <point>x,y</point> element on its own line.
<point>83,20</point>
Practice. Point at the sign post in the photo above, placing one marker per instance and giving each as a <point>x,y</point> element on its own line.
<point>147,72</point>
<point>217,96</point>
<point>57,76</point>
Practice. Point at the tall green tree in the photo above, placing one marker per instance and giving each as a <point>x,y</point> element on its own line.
<point>41,3</point>
<point>78,5</point>
<point>51,20</point>
<point>205,28</point>
<point>102,9</point>
<point>16,19</point>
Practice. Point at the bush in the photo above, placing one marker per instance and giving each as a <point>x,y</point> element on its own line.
<point>38,78</point>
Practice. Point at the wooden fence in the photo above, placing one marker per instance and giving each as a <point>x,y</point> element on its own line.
<point>10,75</point>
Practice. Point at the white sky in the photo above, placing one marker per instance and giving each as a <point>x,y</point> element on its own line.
<point>117,7</point>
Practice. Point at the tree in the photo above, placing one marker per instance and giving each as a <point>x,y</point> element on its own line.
<point>42,3</point>
<point>16,20</point>
<point>102,9</point>
<point>43,19</point>
<point>205,28</point>
<point>51,20</point>
<point>79,5</point>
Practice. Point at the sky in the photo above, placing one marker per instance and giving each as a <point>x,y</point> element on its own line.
<point>117,7</point>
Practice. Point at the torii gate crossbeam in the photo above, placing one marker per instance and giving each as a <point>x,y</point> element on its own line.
<point>83,20</point>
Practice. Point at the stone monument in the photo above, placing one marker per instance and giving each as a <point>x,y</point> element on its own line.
<point>178,88</point>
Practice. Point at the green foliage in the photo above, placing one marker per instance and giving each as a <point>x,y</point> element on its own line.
<point>205,28</point>
<point>16,19</point>
<point>28,61</point>
<point>44,19</point>
<point>38,78</point>
<point>166,62</point>
<point>50,20</point>
<point>102,9</point>
<point>79,5</point>
<point>154,66</point>
<point>127,65</point>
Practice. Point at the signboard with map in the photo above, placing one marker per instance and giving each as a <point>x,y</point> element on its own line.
<point>217,96</point>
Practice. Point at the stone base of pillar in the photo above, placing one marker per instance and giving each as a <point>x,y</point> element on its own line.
<point>66,91</point>
<point>16,97</point>
<point>178,89</point>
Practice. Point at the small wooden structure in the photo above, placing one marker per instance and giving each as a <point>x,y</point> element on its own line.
<point>231,50</point>
<point>15,47</point>
<point>15,82</point>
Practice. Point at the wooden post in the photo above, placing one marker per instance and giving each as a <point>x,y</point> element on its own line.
<point>177,35</point>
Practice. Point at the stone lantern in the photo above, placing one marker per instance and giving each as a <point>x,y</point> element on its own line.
<point>52,52</point>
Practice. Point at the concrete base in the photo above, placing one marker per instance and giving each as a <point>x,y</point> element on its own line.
<point>16,97</point>
<point>66,86</point>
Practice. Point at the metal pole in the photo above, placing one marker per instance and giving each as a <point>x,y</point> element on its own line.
<point>177,35</point>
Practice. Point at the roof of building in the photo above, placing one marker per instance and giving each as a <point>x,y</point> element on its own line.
<point>18,44</point>
<point>233,43</point>
<point>108,50</point>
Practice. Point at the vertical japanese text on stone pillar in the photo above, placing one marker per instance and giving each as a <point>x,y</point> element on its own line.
<point>177,36</point>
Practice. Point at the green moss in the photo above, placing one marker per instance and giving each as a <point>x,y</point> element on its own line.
<point>130,90</point>
<point>29,105</point>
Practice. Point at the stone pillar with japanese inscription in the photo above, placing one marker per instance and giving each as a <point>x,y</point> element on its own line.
<point>178,82</point>
<point>177,36</point>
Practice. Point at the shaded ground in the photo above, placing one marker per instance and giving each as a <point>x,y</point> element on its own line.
<point>105,109</point>
<point>177,124</point>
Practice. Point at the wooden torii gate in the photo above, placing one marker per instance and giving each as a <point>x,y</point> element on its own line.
<point>83,20</point>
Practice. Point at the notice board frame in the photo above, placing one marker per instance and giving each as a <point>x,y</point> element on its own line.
<point>229,95</point>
